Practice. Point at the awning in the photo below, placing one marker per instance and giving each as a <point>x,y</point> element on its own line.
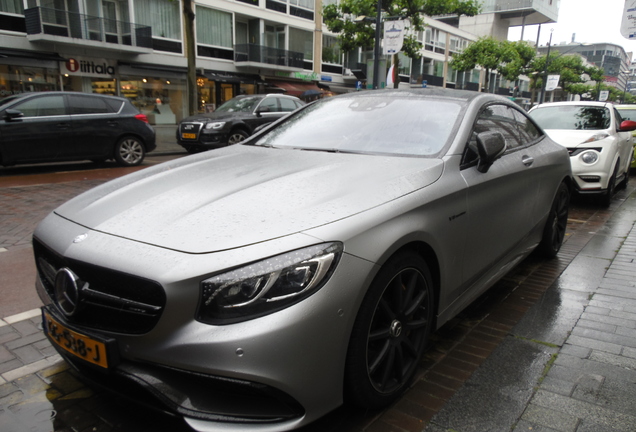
<point>298,89</point>
<point>39,55</point>
<point>228,77</point>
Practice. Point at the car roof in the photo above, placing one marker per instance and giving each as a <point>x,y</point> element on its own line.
<point>574,103</point>
<point>626,106</point>
<point>42,93</point>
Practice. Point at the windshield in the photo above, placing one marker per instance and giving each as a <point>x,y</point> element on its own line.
<point>572,117</point>
<point>403,125</point>
<point>246,104</point>
<point>627,114</point>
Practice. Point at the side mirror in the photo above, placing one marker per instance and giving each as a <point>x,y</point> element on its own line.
<point>490,146</point>
<point>627,125</point>
<point>261,110</point>
<point>12,114</point>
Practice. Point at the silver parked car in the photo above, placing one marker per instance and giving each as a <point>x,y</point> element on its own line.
<point>260,286</point>
<point>598,140</point>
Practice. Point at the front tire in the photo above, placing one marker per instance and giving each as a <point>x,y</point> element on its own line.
<point>557,222</point>
<point>606,199</point>
<point>390,333</point>
<point>236,136</point>
<point>129,151</point>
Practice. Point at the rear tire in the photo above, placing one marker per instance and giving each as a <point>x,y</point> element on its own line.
<point>557,222</point>
<point>390,333</point>
<point>129,151</point>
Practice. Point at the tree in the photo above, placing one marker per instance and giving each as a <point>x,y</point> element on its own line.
<point>190,47</point>
<point>361,34</point>
<point>570,68</point>
<point>510,59</point>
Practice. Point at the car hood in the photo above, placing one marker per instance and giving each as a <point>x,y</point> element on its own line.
<point>218,115</point>
<point>573,138</point>
<point>242,195</point>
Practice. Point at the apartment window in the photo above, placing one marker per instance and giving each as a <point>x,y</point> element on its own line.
<point>12,6</point>
<point>162,15</point>
<point>331,52</point>
<point>214,27</point>
<point>305,4</point>
<point>302,41</point>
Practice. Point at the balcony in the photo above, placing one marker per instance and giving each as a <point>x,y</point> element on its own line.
<point>62,26</point>
<point>259,56</point>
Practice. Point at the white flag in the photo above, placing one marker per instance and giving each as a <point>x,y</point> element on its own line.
<point>552,83</point>
<point>628,23</point>
<point>393,36</point>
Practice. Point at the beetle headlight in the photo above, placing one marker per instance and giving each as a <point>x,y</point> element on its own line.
<point>214,125</point>
<point>589,157</point>
<point>266,286</point>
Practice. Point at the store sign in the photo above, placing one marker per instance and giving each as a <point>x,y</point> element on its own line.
<point>89,67</point>
<point>299,75</point>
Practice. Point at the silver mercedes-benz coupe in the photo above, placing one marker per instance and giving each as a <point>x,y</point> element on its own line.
<point>261,285</point>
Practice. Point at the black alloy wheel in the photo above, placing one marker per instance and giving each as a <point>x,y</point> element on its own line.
<point>391,332</point>
<point>557,222</point>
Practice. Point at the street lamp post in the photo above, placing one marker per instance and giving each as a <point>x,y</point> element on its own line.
<point>376,46</point>
<point>545,70</point>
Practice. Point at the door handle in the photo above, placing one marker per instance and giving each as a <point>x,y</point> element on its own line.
<point>63,125</point>
<point>527,160</point>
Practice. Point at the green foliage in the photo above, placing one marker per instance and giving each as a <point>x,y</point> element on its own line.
<point>511,59</point>
<point>352,35</point>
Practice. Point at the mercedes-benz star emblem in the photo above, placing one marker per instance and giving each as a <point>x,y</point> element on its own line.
<point>66,291</point>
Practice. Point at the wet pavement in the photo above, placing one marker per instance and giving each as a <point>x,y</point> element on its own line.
<point>552,347</point>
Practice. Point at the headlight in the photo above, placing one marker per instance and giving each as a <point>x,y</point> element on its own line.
<point>589,157</point>
<point>596,137</point>
<point>215,125</point>
<point>267,286</point>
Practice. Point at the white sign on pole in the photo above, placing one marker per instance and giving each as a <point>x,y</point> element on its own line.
<point>552,83</point>
<point>603,95</point>
<point>393,36</point>
<point>628,23</point>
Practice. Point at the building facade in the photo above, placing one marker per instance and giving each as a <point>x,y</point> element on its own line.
<point>613,59</point>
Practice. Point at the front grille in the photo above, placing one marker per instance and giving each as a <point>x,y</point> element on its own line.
<point>189,128</point>
<point>109,300</point>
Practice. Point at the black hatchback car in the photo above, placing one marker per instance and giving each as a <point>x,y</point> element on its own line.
<point>67,126</point>
<point>233,121</point>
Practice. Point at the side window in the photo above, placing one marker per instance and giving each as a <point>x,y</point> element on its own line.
<point>42,106</point>
<point>618,119</point>
<point>271,103</point>
<point>87,105</point>
<point>499,118</point>
<point>287,105</point>
<point>528,132</point>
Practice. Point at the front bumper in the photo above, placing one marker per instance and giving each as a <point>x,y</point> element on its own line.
<point>273,373</point>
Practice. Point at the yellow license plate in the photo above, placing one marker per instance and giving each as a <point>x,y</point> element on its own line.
<point>79,345</point>
<point>188,136</point>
